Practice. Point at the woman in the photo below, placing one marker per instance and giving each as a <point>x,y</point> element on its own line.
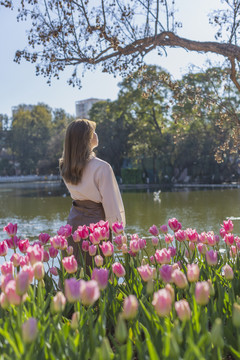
<point>90,181</point>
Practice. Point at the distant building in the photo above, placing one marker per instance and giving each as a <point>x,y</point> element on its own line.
<point>83,107</point>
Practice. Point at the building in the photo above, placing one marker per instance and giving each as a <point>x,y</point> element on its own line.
<point>83,107</point>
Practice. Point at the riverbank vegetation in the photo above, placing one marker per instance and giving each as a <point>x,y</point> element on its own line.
<point>174,295</point>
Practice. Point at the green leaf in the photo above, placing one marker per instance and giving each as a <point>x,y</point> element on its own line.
<point>151,349</point>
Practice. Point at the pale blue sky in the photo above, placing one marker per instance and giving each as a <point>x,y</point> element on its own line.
<point>19,84</point>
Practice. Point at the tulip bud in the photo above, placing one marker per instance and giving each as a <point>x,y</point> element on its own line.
<point>58,302</point>
<point>75,320</point>
<point>228,272</point>
<point>130,307</point>
<point>4,301</point>
<point>217,333</point>
<point>236,315</point>
<point>29,330</point>
<point>121,330</point>
<point>22,282</point>
<point>202,292</point>
<point>106,351</point>
<point>38,269</point>
<point>98,260</point>
<point>183,310</point>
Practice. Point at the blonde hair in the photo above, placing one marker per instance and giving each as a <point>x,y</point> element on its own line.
<point>77,149</point>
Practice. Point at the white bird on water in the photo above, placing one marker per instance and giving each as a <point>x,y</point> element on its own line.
<point>156,196</point>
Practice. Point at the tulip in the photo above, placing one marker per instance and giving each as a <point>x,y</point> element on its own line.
<point>53,252</point>
<point>202,248</point>
<point>59,242</point>
<point>83,232</point>
<point>193,272</point>
<point>98,260</point>
<point>29,330</point>
<point>152,260</point>
<point>134,246</point>
<point>92,250</point>
<point>183,310</point>
<point>13,242</point>
<point>85,245</point>
<point>118,269</point>
<point>203,238</point>
<point>104,233</point>
<point>118,228</point>
<point>72,289</point>
<point>75,320</point>
<point>76,237</point>
<point>58,302</point>
<point>44,238</point>
<point>211,238</point>
<point>38,270</point>
<point>101,277</point>
<point>233,251</point>
<point>202,292</point>
<point>172,250</point>
<point>118,240</point>
<point>191,235</point>
<point>89,292</point>
<point>95,237</point>
<point>46,256</point>
<point>5,280</point>
<point>192,246</point>
<point>222,232</point>
<point>124,248</point>
<point>121,332</point>
<point>23,245</point>
<point>164,229</point>
<point>11,229</point>
<point>35,253</point>
<point>22,282</point>
<point>4,301</point>
<point>211,257</point>
<point>15,259</point>
<point>142,243</point>
<point>228,226</point>
<point>3,248</point>
<point>169,288</point>
<point>236,315</point>
<point>229,239</point>
<point>153,230</point>
<point>146,272</point>
<point>179,279</point>
<point>168,238</point>
<point>166,273</point>
<point>107,248</point>
<point>228,272</point>
<point>162,302</point>
<point>174,224</point>
<point>163,256</point>
<point>70,264</point>
<point>130,307</point>
<point>155,241</point>
<point>30,272</point>
<point>11,293</point>
<point>69,250</point>
<point>65,231</point>
<point>53,271</point>
<point>180,235</point>
<point>7,268</point>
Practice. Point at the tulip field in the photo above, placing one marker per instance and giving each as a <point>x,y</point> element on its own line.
<point>173,295</point>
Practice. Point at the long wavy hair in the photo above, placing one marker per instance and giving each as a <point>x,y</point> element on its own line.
<point>77,149</point>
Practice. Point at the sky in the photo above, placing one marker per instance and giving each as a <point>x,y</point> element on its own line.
<point>20,85</point>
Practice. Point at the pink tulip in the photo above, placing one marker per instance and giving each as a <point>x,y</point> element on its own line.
<point>191,235</point>
<point>166,273</point>
<point>130,307</point>
<point>164,229</point>
<point>211,239</point>
<point>169,238</point>
<point>3,248</point>
<point>134,246</point>
<point>163,256</point>
<point>202,292</point>
<point>146,272</point>
<point>228,272</point>
<point>22,282</point>
<point>171,291</point>
<point>30,272</point>
<point>69,250</point>
<point>229,239</point>
<point>83,232</point>
<point>75,320</point>
<point>89,292</point>
<point>23,245</point>
<point>142,243</point>
<point>76,236</point>
<point>72,289</point>
<point>7,268</point>
<point>153,230</point>
<point>59,242</point>
<point>117,228</point>
<point>180,235</point>
<point>85,245</point>
<point>192,246</point>
<point>70,264</point>
<point>233,251</point>
<point>118,240</point>
<point>193,272</point>
<point>29,330</point>
<point>10,291</point>
<point>92,250</point>
<point>65,231</point>
<point>152,260</point>
<point>15,259</point>
<point>101,277</point>
<point>104,233</point>
<point>222,232</point>
<point>183,310</point>
<point>11,229</point>
<point>124,249</point>
<point>53,252</point>
<point>155,241</point>
<point>58,302</point>
<point>44,238</point>
<point>162,302</point>
<point>172,250</point>
<point>13,242</point>
<point>38,270</point>
<point>53,271</point>
<point>95,237</point>
<point>46,256</point>
<point>203,238</point>
<point>118,269</point>
<point>35,253</point>
<point>5,280</point>
<point>179,279</point>
<point>228,226</point>
<point>98,260</point>
<point>237,239</point>
<point>174,224</point>
<point>4,301</point>
<point>202,248</point>
<point>107,248</point>
<point>211,257</point>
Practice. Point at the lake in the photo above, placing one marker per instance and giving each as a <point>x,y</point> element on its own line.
<point>44,207</point>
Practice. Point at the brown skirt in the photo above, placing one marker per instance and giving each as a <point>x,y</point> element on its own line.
<point>84,212</point>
